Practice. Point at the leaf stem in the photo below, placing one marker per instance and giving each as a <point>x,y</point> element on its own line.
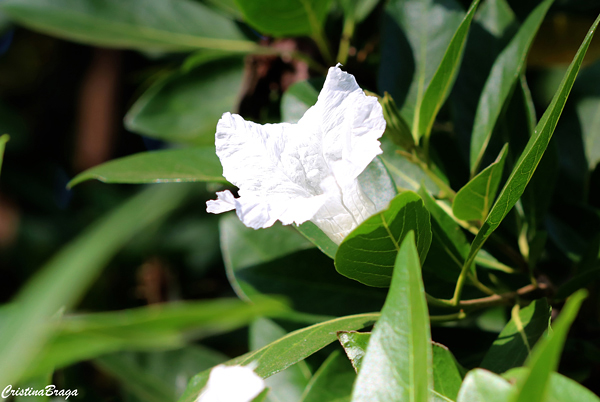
<point>489,301</point>
<point>347,33</point>
<point>448,317</point>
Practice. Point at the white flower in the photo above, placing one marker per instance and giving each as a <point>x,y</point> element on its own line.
<point>304,171</point>
<point>231,384</point>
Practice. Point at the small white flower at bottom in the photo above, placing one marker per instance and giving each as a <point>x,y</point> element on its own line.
<point>231,384</point>
<point>305,171</point>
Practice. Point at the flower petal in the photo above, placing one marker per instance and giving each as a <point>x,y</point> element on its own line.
<point>225,202</point>
<point>231,384</point>
<point>304,171</point>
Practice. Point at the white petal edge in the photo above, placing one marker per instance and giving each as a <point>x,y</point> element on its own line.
<point>231,384</point>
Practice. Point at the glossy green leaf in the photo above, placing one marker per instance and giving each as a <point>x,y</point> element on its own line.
<point>417,31</point>
<point>441,82</point>
<point>518,337</point>
<point>368,253</point>
<point>287,385</point>
<point>171,165</point>
<point>285,17</point>
<point>64,279</point>
<point>501,82</point>
<point>355,345</point>
<point>178,25</point>
<point>157,376</point>
<point>546,354</point>
<point>186,106</point>
<point>531,156</point>
<point>560,388</point>
<point>290,349</point>
<point>85,337</point>
<point>484,386</point>
<point>448,374</point>
<point>3,140</point>
<point>332,382</point>
<point>398,362</point>
<point>278,260</point>
<point>474,200</point>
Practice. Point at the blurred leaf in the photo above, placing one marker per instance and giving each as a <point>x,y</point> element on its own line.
<point>501,82</point>
<point>186,106</point>
<point>285,17</point>
<point>157,376</point>
<point>38,382</point>
<point>287,385</point>
<point>443,79</point>
<point>448,374</point>
<point>544,357</point>
<point>417,30</point>
<point>560,388</point>
<point>587,271</point>
<point>227,6</point>
<point>474,200</point>
<point>3,140</point>
<point>358,10</point>
<point>278,260</point>
<point>531,156</point>
<point>171,165</point>
<point>176,25</point>
<point>355,345</point>
<point>398,362</point>
<point>483,386</point>
<point>166,326</point>
<point>298,98</point>
<point>522,332</point>
<point>286,351</point>
<point>64,279</point>
<point>332,382</point>
<point>368,253</point>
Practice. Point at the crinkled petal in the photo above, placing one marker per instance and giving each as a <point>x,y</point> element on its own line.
<point>304,171</point>
<point>231,384</point>
<point>225,202</point>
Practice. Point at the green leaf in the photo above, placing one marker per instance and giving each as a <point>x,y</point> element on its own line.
<point>368,253</point>
<point>501,82</point>
<point>285,17</point>
<point>396,127</point>
<point>546,354</point>
<point>441,82</point>
<point>332,382</point>
<point>64,279</point>
<point>560,388</point>
<point>355,345</point>
<point>318,238</point>
<point>406,175</point>
<point>417,30</point>
<point>358,10</point>
<point>474,200</point>
<point>171,165</point>
<point>278,260</point>
<point>588,112</point>
<point>483,386</point>
<point>531,156</point>
<point>287,385</point>
<point>3,140</point>
<point>398,363</point>
<point>448,374</point>
<point>186,105</point>
<point>290,349</point>
<point>157,376</point>
<point>88,336</point>
<point>178,25</point>
<point>522,332</point>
